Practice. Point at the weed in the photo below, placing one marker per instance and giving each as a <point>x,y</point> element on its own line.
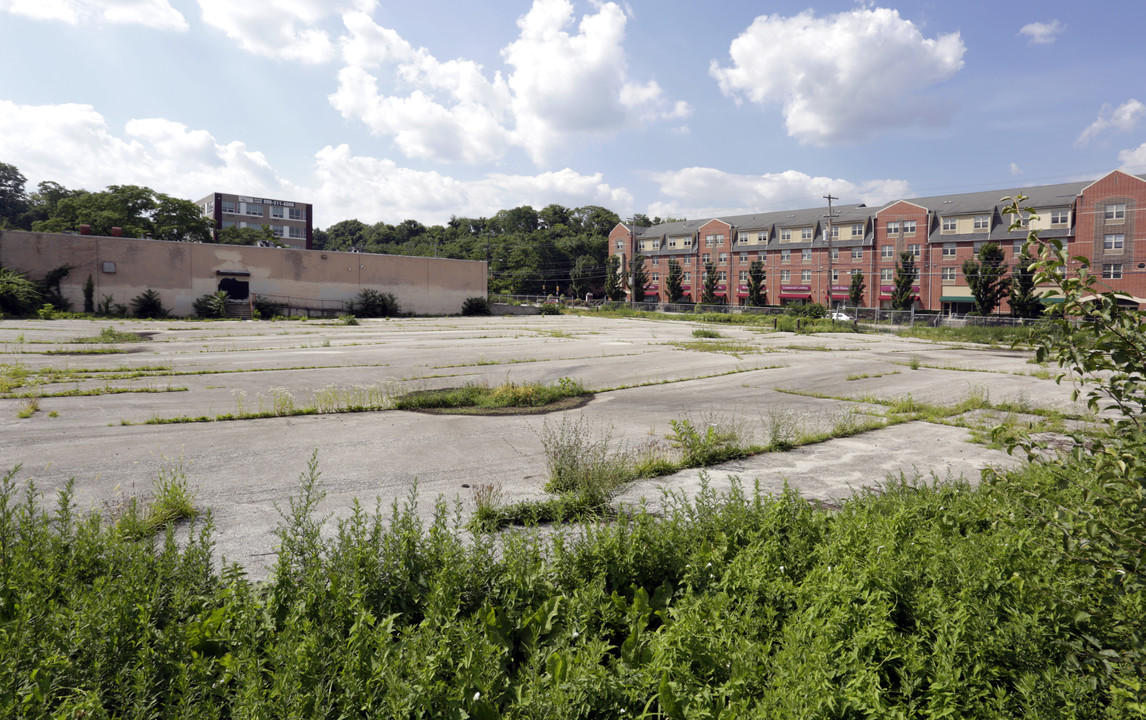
<point>728,347</point>
<point>708,442</point>
<point>480,395</point>
<point>347,319</point>
<point>915,363</point>
<point>782,428</point>
<point>109,335</point>
<point>28,407</point>
<point>705,333</point>
<point>53,414</point>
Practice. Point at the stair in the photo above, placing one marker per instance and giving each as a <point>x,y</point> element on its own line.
<point>239,310</point>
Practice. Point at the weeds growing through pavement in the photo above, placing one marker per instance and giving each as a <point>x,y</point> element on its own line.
<point>109,335</point>
<point>28,407</point>
<point>480,395</point>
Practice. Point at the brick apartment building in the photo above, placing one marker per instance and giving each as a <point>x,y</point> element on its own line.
<point>290,221</point>
<point>808,257</point>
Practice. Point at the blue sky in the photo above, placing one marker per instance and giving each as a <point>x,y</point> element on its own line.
<point>424,110</point>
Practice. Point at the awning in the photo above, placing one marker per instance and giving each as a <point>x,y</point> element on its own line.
<point>795,296</point>
<point>840,296</point>
<point>719,293</point>
<point>742,294</point>
<point>653,287</point>
<point>686,287</point>
<point>956,298</point>
<point>238,273</point>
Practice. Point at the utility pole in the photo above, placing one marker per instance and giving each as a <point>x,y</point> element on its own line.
<point>828,233</point>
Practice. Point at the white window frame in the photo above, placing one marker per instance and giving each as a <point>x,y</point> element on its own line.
<point>806,276</point>
<point>915,249</point>
<point>1113,243</point>
<point>893,227</point>
<point>886,275</point>
<point>806,255</point>
<point>1060,217</point>
<point>857,253</point>
<point>785,256</point>
<point>887,252</point>
<point>806,233</point>
<point>950,225</point>
<point>835,254</point>
<point>1114,211</point>
<point>785,234</point>
<point>950,249</point>
<point>857,230</point>
<point>785,276</point>
<point>908,227</point>
<point>982,222</point>
<point>947,274</point>
<point>1112,271</point>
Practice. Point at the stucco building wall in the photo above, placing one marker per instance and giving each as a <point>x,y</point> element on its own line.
<point>182,272</point>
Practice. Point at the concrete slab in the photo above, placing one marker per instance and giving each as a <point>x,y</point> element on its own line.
<point>648,372</point>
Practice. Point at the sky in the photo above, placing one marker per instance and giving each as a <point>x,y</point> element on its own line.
<point>429,109</point>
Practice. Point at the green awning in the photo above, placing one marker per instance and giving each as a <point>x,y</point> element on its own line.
<point>957,298</point>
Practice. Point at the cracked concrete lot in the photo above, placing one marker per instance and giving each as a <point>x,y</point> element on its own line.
<point>646,372</point>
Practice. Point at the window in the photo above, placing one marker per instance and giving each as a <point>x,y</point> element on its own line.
<point>229,207</point>
<point>948,275</point>
<point>723,257</point>
<point>229,224</point>
<point>908,227</point>
<point>296,232</point>
<point>1115,212</point>
<point>709,240</point>
<point>785,256</point>
<point>857,253</point>
<point>805,276</point>
<point>620,244</point>
<point>806,233</point>
<point>914,249</point>
<point>760,236</point>
<point>785,276</point>
<point>672,242</point>
<point>892,228</point>
<point>835,253</point>
<point>886,275</point>
<point>949,249</point>
<point>887,252</point>
<point>722,276</point>
<point>949,224</point>
<point>854,271</point>
<point>1018,247</point>
<point>1060,217</point>
<point>743,257</point>
<point>835,275</point>
<point>785,235</point>
<point>1112,271</point>
<point>835,232</point>
<point>806,255</point>
<point>857,230</point>
<point>276,211</point>
<point>686,278</point>
<point>655,277</point>
<point>254,209</point>
<point>705,258</point>
<point>296,214</point>
<point>742,237</point>
<point>656,261</point>
<point>743,276</point>
<point>686,242</point>
<point>1113,243</point>
<point>982,222</point>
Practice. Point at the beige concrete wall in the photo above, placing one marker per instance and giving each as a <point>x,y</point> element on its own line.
<point>182,272</point>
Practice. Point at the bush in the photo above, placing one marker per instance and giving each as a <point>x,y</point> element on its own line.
<point>267,308</point>
<point>19,296</point>
<point>147,304</point>
<point>550,309</point>
<point>211,305</point>
<point>476,306</point>
<point>371,303</point>
<point>810,310</point>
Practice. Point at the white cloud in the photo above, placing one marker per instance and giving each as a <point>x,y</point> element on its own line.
<point>1134,159</point>
<point>1015,169</point>
<point>561,86</point>
<point>698,192</point>
<point>72,144</point>
<point>1040,33</point>
<point>156,14</point>
<point>1123,118</point>
<point>372,189</point>
<point>843,78</point>
<point>285,30</point>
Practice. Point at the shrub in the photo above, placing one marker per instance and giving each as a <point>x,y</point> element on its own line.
<point>147,304</point>
<point>371,303</point>
<point>89,295</point>
<point>550,309</point>
<point>267,308</point>
<point>810,310</point>
<point>476,306</point>
<point>347,319</point>
<point>211,305</point>
<point>19,296</point>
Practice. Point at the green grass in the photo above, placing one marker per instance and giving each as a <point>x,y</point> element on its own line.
<point>727,347</point>
<point>480,395</point>
<point>984,335</point>
<point>705,333</point>
<point>109,335</point>
<point>920,598</point>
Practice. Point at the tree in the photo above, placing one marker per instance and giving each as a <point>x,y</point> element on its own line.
<point>987,278</point>
<point>856,290</point>
<point>757,291</point>
<point>673,282</point>
<point>235,235</point>
<point>638,277</point>
<point>708,296</point>
<point>178,220</point>
<point>13,200</point>
<point>579,275</point>
<point>613,278</point>
<point>903,296</point>
<point>1025,302</point>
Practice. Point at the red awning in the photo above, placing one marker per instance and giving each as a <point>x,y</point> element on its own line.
<point>743,294</point>
<point>720,293</point>
<point>686,287</point>
<point>840,296</point>
<point>652,287</point>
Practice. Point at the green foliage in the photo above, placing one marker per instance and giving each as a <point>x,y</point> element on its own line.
<point>580,276</point>
<point>1025,301</point>
<point>1102,527</point>
<point>480,395</point>
<point>50,288</point>
<point>708,294</point>
<point>89,295</point>
<point>137,211</point>
<point>713,441</point>
<point>109,335</point>
<point>370,303</point>
<point>19,296</point>
<point>986,277</point>
<point>673,290</point>
<point>148,304</point>
<point>13,200</point>
<point>267,308</point>
<point>613,289</point>
<point>638,277</point>
<point>705,333</point>
<point>856,290</point>
<point>757,290</point>
<point>906,275</point>
<point>347,320</point>
<point>211,305</point>
<point>549,308</point>
<point>812,310</point>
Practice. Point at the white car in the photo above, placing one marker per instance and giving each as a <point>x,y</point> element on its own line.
<point>842,316</point>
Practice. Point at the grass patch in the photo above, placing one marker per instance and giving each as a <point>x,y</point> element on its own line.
<point>480,396</point>
<point>980,334</point>
<point>727,347</point>
<point>28,408</point>
<point>705,333</point>
<point>863,376</point>
<point>110,335</point>
<point>170,501</point>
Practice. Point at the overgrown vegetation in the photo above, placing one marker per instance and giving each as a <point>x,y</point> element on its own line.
<point>476,306</point>
<point>110,335</point>
<point>369,303</point>
<point>211,305</point>
<point>148,304</point>
<point>482,396</point>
